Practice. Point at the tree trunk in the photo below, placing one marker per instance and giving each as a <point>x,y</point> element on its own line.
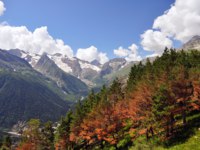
<point>172,120</point>
<point>101,144</point>
<point>167,128</point>
<point>184,117</point>
<point>147,134</point>
<point>151,130</point>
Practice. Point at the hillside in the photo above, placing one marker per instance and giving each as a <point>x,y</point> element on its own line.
<point>124,71</point>
<point>159,108</point>
<point>22,98</point>
<point>25,93</point>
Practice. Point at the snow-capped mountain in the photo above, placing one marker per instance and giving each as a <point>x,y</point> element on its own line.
<point>92,73</point>
<point>30,57</point>
<point>113,65</point>
<point>79,68</point>
<point>68,83</point>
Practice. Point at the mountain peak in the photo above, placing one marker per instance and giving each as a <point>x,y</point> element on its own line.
<point>193,43</point>
<point>96,63</point>
<point>196,37</point>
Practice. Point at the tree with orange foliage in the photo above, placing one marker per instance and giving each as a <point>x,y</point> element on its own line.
<point>26,146</point>
<point>183,91</point>
<point>104,124</point>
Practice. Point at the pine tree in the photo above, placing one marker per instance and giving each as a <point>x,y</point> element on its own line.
<point>115,91</point>
<point>48,135</point>
<point>162,108</point>
<point>63,132</point>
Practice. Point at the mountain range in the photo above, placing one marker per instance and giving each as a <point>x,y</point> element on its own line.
<point>45,86</point>
<point>88,72</point>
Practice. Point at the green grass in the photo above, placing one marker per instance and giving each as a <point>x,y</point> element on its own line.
<point>193,143</point>
<point>186,138</point>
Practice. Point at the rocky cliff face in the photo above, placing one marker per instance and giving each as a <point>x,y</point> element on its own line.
<point>65,81</point>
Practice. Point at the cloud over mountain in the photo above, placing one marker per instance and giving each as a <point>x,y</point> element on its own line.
<point>180,22</point>
<point>156,41</point>
<point>130,54</point>
<point>38,41</point>
<point>91,53</point>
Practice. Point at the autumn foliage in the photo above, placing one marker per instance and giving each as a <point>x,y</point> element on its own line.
<point>158,93</point>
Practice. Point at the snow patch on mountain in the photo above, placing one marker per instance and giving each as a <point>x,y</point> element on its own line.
<point>30,57</point>
<point>34,59</point>
<point>90,66</point>
<point>59,62</point>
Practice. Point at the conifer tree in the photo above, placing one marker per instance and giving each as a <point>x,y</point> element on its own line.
<point>163,105</point>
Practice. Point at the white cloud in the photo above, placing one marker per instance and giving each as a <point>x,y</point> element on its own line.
<point>2,8</point>
<point>152,55</point>
<point>121,52</point>
<point>155,40</point>
<point>102,57</point>
<point>130,54</point>
<point>133,55</point>
<point>181,22</point>
<point>90,54</point>
<point>38,41</point>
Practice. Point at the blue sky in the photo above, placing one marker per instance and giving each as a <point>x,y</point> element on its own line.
<point>106,24</point>
<point>98,29</point>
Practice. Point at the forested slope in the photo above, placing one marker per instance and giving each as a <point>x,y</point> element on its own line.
<point>160,106</point>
